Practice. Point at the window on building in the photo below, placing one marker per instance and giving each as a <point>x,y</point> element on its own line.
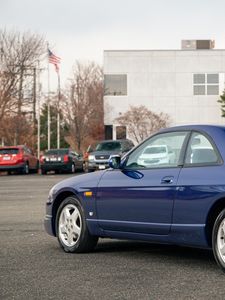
<point>115,85</point>
<point>121,132</point>
<point>206,84</point>
<point>108,132</point>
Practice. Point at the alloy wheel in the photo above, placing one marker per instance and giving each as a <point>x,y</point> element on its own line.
<point>70,225</point>
<point>221,240</point>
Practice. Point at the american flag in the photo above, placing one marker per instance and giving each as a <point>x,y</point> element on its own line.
<point>53,59</point>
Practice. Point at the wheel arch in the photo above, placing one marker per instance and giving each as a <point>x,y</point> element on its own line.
<point>217,207</point>
<point>58,200</point>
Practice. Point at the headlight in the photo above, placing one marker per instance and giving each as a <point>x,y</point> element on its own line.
<point>51,195</point>
<point>91,157</point>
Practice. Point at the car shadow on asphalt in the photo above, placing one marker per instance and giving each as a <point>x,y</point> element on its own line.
<point>158,251</point>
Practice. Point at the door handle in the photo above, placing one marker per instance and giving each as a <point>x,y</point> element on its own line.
<point>167,179</point>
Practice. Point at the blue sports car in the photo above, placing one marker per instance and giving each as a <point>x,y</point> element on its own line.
<point>169,189</point>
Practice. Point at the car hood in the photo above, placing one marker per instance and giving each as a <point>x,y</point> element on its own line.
<point>78,183</point>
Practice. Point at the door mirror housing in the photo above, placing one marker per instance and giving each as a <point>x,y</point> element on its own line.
<point>114,162</point>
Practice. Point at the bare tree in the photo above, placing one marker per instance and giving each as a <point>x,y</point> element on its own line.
<point>141,122</point>
<point>19,54</point>
<point>84,105</point>
<point>7,94</point>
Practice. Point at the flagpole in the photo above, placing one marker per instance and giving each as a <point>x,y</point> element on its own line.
<point>58,113</point>
<point>39,113</point>
<point>55,60</point>
<point>49,116</point>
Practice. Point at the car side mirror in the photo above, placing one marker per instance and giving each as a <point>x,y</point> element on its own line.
<point>114,161</point>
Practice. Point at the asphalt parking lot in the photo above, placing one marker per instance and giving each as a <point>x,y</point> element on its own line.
<point>32,266</point>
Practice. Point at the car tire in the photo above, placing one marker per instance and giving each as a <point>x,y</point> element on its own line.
<point>26,169</point>
<point>218,240</point>
<point>71,228</point>
<point>37,167</point>
<point>73,169</point>
<point>43,172</point>
<point>85,167</point>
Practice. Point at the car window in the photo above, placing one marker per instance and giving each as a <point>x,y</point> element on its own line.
<point>9,151</point>
<point>200,151</point>
<point>131,145</point>
<point>57,152</point>
<point>27,151</point>
<point>74,154</point>
<point>127,146</point>
<point>108,146</point>
<point>162,150</point>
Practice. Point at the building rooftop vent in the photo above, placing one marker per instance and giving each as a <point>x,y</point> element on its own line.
<point>197,44</point>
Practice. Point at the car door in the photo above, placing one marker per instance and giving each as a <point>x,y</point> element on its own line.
<point>200,182</point>
<point>30,157</point>
<point>140,196</point>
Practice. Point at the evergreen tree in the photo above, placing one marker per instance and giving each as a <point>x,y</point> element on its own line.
<point>222,102</point>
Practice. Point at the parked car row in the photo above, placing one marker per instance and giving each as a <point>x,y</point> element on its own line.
<point>21,159</point>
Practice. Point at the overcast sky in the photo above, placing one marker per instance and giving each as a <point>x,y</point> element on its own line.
<point>82,29</point>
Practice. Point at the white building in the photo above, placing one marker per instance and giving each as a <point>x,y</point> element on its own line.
<point>185,83</point>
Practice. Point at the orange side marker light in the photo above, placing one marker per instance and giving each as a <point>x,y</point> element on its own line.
<point>88,194</point>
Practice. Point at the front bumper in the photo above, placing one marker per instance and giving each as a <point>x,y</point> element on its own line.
<point>48,220</point>
<point>94,166</point>
<point>48,225</point>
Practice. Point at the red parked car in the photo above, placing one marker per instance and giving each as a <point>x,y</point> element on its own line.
<point>18,159</point>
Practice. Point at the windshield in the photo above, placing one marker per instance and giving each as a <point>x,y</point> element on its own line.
<point>9,151</point>
<point>108,146</point>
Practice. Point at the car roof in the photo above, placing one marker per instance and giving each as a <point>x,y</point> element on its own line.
<point>154,146</point>
<point>57,149</point>
<point>12,147</point>
<point>112,141</point>
<point>204,127</point>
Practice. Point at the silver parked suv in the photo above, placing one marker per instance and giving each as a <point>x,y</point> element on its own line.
<point>99,153</point>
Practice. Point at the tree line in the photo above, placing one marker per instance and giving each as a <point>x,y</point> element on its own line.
<point>22,56</point>
<point>81,103</point>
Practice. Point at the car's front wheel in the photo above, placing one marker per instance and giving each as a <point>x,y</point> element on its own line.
<point>71,227</point>
<point>72,171</point>
<point>218,240</point>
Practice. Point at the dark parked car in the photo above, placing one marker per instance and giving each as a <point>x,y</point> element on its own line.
<point>98,154</point>
<point>61,160</point>
<point>177,201</point>
<point>18,159</point>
